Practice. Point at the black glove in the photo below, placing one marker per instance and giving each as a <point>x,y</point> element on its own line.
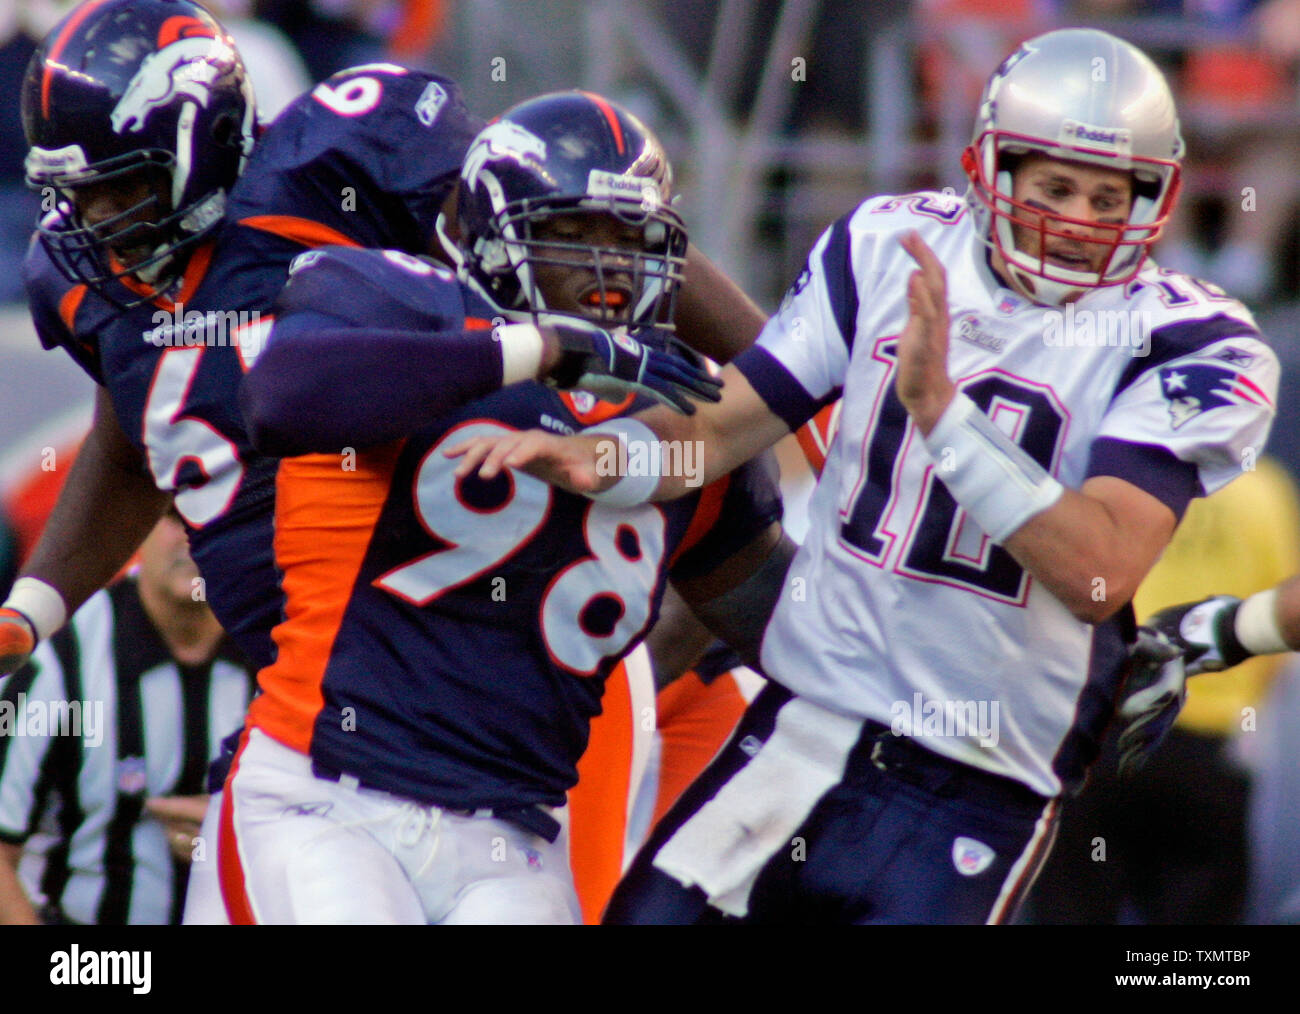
<point>613,364</point>
<point>1151,698</point>
<point>1205,633</point>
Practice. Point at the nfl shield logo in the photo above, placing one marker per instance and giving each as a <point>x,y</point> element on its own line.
<point>583,401</point>
<point>971,857</point>
<point>626,342</point>
<point>130,776</point>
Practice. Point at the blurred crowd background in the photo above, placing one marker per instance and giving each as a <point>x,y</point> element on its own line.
<point>780,115</point>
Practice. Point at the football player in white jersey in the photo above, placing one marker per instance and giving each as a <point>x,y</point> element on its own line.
<point>1029,404</point>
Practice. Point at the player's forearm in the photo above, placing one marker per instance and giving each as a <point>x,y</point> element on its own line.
<point>1087,553</point>
<point>714,315</point>
<point>107,507</point>
<point>321,389</point>
<point>677,641</point>
<point>737,600</point>
<point>714,440</point>
<point>1265,623</point>
<point>1090,547</point>
<point>15,907</point>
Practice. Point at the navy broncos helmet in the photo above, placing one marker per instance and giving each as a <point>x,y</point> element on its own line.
<point>119,89</point>
<point>568,153</point>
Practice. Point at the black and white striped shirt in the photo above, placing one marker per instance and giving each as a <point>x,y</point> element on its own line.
<point>103,719</point>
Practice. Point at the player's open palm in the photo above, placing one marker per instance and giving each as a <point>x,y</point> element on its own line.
<point>923,384</point>
<point>567,462</point>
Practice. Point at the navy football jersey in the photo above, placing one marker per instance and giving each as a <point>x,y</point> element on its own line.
<point>448,640</point>
<point>172,367</point>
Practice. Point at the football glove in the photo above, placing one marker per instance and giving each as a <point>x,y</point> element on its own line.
<point>1152,696</point>
<point>17,640</point>
<point>614,364</point>
<point>1205,633</point>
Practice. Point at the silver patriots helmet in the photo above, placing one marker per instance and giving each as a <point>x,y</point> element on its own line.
<point>1080,95</point>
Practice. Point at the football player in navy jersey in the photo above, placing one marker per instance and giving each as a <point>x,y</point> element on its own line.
<point>163,253</point>
<point>160,260</point>
<point>446,642</point>
<point>1029,403</point>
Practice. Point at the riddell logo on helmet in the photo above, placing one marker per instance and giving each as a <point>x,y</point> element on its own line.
<point>601,183</point>
<point>1119,141</point>
<point>68,163</point>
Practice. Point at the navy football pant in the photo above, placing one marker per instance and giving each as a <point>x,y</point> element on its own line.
<point>905,837</point>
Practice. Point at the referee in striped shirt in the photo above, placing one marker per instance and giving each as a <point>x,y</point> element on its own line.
<point>126,705</point>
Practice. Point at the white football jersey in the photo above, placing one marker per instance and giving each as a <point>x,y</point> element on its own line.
<point>900,608</point>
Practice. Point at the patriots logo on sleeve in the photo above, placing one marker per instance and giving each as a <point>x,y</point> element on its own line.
<point>1193,388</point>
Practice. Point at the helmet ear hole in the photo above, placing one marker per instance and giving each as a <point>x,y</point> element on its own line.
<point>1009,162</point>
<point>1148,188</point>
<point>226,130</point>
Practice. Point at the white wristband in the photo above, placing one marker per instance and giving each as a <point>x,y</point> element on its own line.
<point>521,352</point>
<point>636,485</point>
<point>999,485</point>
<point>39,602</point>
<point>1256,624</point>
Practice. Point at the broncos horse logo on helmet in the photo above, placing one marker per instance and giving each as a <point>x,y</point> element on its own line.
<point>185,67</point>
<point>119,89</point>
<point>557,155</point>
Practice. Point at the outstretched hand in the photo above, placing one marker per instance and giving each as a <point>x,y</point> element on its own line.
<point>570,463</point>
<point>922,382</point>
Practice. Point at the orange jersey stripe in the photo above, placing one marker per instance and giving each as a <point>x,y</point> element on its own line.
<point>694,722</point>
<point>70,304</point>
<point>190,281</point>
<point>599,411</point>
<point>816,435</point>
<point>810,442</point>
<point>705,517</point>
<point>324,519</point>
<point>598,803</point>
<point>229,869</point>
<point>299,230</point>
